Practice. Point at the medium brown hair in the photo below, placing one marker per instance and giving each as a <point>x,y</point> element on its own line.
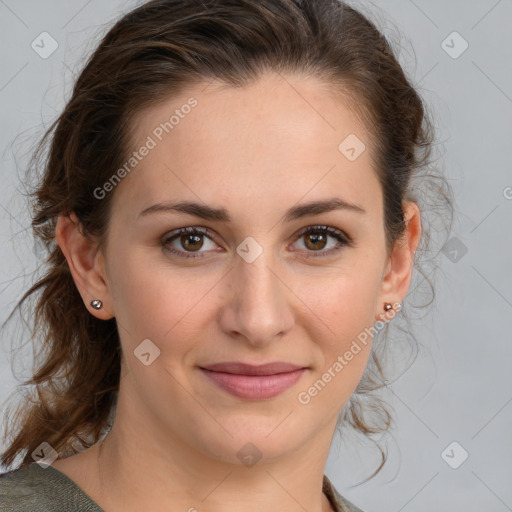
<point>150,54</point>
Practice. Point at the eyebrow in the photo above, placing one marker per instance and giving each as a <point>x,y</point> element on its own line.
<point>221,214</point>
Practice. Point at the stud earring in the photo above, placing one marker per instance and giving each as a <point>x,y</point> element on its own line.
<point>388,306</point>
<point>96,304</point>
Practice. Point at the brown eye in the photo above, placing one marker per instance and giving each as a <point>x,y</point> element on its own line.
<point>316,239</point>
<point>189,240</point>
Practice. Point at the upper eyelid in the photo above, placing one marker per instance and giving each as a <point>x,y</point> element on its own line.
<point>189,229</point>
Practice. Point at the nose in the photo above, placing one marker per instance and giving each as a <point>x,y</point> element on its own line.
<point>259,305</point>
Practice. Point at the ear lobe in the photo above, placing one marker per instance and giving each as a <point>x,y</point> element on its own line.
<point>86,264</point>
<point>398,273</point>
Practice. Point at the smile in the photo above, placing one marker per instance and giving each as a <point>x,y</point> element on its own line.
<point>254,382</point>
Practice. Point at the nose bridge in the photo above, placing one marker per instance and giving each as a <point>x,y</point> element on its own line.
<point>259,305</point>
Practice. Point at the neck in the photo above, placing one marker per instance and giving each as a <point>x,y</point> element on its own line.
<point>142,467</point>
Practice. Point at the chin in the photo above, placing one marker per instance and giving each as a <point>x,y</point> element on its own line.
<point>262,441</point>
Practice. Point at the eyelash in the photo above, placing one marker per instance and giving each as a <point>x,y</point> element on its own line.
<point>342,238</point>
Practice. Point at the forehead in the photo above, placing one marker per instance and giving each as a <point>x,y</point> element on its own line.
<point>273,141</point>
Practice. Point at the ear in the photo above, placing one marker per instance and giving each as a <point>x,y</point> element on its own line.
<point>398,272</point>
<point>86,264</point>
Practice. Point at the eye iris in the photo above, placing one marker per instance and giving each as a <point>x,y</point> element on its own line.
<point>197,239</point>
<point>315,238</point>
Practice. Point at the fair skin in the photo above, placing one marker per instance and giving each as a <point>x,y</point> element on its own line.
<point>255,151</point>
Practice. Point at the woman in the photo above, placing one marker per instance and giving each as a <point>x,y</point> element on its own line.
<point>229,210</point>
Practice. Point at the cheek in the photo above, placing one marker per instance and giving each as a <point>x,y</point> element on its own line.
<point>340,319</point>
<point>344,314</point>
<point>345,299</point>
<point>158,300</point>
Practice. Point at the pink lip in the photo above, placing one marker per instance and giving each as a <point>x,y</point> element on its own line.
<point>254,382</point>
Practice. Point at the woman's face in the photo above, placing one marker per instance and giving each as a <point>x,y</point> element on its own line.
<point>254,289</point>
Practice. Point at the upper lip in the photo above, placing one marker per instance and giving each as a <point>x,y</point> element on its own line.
<point>249,369</point>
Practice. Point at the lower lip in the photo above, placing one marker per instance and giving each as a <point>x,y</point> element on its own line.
<point>254,386</point>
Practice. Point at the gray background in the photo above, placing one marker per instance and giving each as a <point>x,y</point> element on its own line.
<point>459,389</point>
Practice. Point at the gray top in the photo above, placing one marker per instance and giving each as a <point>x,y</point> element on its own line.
<point>34,488</point>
